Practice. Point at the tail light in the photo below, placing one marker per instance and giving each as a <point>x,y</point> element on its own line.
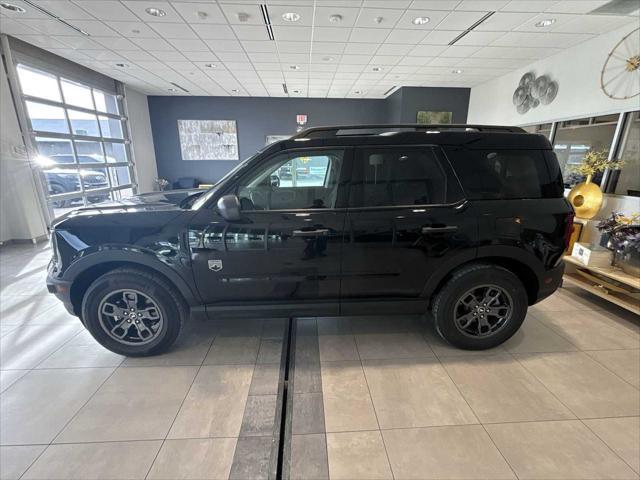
<point>568,230</point>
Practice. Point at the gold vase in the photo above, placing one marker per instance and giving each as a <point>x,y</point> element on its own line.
<point>586,198</point>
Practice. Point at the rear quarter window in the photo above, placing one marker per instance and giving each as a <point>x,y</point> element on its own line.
<point>504,174</point>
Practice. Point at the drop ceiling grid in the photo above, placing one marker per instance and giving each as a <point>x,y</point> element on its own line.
<point>176,47</point>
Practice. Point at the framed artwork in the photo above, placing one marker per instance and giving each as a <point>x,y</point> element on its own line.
<point>208,139</point>
<point>426,117</point>
<point>275,138</point>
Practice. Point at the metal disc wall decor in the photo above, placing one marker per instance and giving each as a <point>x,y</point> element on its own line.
<point>533,91</point>
<point>620,75</point>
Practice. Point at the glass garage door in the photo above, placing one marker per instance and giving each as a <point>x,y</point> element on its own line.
<point>81,139</point>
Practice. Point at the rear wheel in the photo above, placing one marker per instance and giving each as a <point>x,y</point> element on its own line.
<point>132,312</point>
<point>480,307</point>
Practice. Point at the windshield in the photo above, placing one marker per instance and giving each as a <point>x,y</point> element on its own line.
<point>204,199</point>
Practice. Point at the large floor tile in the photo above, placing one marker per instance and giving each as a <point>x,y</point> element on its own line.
<point>37,407</point>
<point>568,299</point>
<point>347,405</point>
<point>252,459</point>
<point>99,461</point>
<point>15,460</point>
<point>18,309</point>
<point>583,385</point>
<point>554,450</point>
<point>194,459</point>
<point>624,363</point>
<point>337,348</point>
<point>373,346</point>
<point>309,457</point>
<point>134,404</point>
<point>622,435</point>
<point>56,315</point>
<point>535,337</point>
<point>190,349</point>
<point>385,324</point>
<point>80,356</point>
<point>259,416</point>
<point>443,349</point>
<point>27,346</point>
<point>415,393</point>
<point>357,455</point>
<point>215,404</point>
<point>499,389</point>
<point>590,330</point>
<point>233,350</point>
<point>460,452</point>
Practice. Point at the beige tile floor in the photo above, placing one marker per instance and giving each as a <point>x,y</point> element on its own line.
<point>561,399</point>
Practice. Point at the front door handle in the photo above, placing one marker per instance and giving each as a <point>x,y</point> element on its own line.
<point>443,229</point>
<point>319,232</point>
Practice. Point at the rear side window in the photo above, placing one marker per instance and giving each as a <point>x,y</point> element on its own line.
<point>503,174</point>
<point>397,176</point>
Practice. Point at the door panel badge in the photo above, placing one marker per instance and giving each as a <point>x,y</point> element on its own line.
<point>215,265</point>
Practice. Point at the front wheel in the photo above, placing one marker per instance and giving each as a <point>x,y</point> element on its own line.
<point>132,312</point>
<point>480,307</point>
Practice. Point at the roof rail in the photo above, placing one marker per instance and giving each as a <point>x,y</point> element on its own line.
<point>347,130</point>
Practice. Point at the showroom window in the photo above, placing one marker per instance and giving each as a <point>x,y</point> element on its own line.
<point>574,138</point>
<point>542,129</point>
<point>627,180</point>
<point>80,137</point>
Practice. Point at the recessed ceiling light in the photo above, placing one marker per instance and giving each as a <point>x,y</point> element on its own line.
<point>12,8</point>
<point>335,18</point>
<point>296,91</point>
<point>155,12</point>
<point>377,69</point>
<point>172,89</point>
<point>243,17</point>
<point>122,65</point>
<point>421,20</point>
<point>546,22</point>
<point>378,20</point>
<point>328,58</point>
<point>210,65</point>
<point>291,16</point>
<point>234,90</point>
<point>357,92</point>
<point>135,30</point>
<point>457,70</point>
<point>294,67</point>
<point>202,15</point>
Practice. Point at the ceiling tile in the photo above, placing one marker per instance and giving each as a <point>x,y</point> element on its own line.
<point>445,62</point>
<point>361,48</point>
<point>264,57</point>
<point>258,46</point>
<point>48,26</point>
<point>366,35</point>
<point>171,55</point>
<point>427,50</point>
<point>292,47</point>
<point>435,18</point>
<point>293,34</point>
<point>405,36</point>
<point>530,39</point>
<point>138,7</point>
<point>435,4</point>
<point>231,56</point>
<point>200,56</point>
<point>224,45</point>
<point>251,32</point>
<point>116,43</point>
<point>576,6</point>
<point>96,28</point>
<point>330,34</point>
<point>65,9</point>
<point>482,5</point>
<point>106,9</point>
<point>528,5</point>
<point>329,47</point>
<point>395,49</point>
<point>199,12</point>
<point>133,29</point>
<point>460,20</point>
<point>440,37</point>
<point>213,32</point>
<point>13,27</point>
<point>349,16</point>
<point>384,60</point>
<point>189,45</point>
<point>504,21</point>
<point>479,39</point>
<point>276,12</point>
<point>388,17</point>
<point>459,51</point>
<point>173,30</point>
<point>233,11</point>
<point>355,59</point>
<point>149,44</point>
<point>417,61</point>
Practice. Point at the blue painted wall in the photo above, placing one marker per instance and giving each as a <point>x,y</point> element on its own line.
<point>258,117</point>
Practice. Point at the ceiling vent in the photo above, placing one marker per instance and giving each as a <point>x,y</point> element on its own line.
<point>285,89</point>
<point>616,7</point>
<point>471,28</point>
<point>267,21</point>
<point>54,16</point>
<point>180,87</point>
<point>389,91</point>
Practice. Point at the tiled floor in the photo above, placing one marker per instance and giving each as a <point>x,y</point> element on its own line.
<point>373,397</point>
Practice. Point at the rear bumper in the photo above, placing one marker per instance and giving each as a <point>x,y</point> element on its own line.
<point>550,282</point>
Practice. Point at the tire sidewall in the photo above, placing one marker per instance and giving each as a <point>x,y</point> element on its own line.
<point>444,315</point>
<point>121,281</point>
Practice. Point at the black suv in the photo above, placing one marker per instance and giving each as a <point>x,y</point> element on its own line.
<point>466,221</point>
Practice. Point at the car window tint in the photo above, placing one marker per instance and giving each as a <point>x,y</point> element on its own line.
<point>502,174</point>
<point>293,181</point>
<point>400,176</point>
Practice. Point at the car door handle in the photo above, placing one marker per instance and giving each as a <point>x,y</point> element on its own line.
<point>319,232</point>
<point>444,229</point>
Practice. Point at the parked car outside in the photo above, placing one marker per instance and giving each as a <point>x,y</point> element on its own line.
<point>465,222</point>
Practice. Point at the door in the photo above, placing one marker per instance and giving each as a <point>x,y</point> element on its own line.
<point>406,220</point>
<point>286,248</point>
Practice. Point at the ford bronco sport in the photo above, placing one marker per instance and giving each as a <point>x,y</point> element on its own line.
<point>465,221</point>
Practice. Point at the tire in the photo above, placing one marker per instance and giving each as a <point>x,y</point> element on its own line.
<point>159,311</point>
<point>461,298</point>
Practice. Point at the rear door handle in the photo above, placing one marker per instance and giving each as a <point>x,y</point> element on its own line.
<point>320,232</point>
<point>444,229</point>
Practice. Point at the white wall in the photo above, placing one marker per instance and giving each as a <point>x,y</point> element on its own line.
<point>21,217</point>
<point>141,140</point>
<point>577,71</point>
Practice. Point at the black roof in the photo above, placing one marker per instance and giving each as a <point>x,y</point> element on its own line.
<point>469,136</point>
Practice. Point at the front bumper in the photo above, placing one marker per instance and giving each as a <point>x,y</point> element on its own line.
<point>60,288</point>
<point>550,282</point>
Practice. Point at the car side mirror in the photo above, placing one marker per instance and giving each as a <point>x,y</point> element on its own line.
<point>229,207</point>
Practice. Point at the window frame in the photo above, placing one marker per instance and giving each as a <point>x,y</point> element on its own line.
<point>344,177</point>
<point>84,193</point>
<point>440,157</point>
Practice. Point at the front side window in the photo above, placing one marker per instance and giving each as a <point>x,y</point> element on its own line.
<point>399,176</point>
<point>294,180</point>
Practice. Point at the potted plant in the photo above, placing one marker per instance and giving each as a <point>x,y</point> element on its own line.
<point>586,197</point>
<point>623,233</point>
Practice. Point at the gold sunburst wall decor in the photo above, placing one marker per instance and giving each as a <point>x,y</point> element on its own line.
<point>620,75</point>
